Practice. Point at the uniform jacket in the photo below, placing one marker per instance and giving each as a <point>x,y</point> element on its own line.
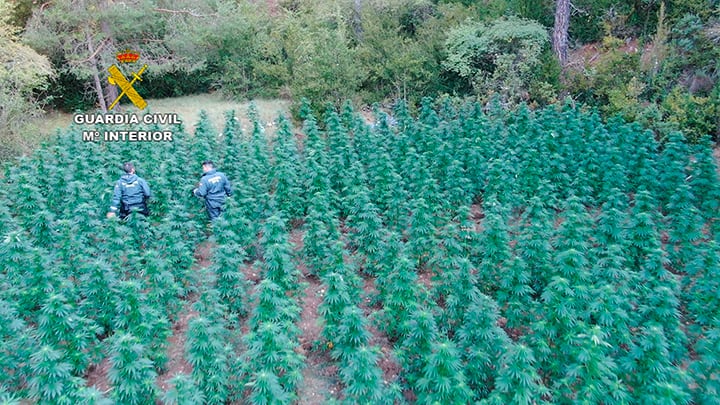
<point>214,186</point>
<point>130,190</point>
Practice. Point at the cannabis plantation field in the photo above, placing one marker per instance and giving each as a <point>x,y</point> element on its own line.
<point>449,257</point>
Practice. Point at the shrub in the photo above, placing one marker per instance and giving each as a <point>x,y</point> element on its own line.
<point>22,71</point>
<point>501,58</point>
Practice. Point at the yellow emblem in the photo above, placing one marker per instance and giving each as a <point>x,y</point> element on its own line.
<point>118,79</point>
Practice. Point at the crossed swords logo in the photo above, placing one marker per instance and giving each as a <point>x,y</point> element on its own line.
<point>117,78</point>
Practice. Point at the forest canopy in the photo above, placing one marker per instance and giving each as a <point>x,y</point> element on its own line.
<point>655,62</point>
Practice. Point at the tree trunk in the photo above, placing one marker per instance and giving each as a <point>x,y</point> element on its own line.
<point>96,73</point>
<point>111,91</point>
<point>357,19</point>
<point>560,31</point>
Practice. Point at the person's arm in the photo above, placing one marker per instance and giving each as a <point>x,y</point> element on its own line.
<point>201,190</point>
<point>227,187</point>
<point>146,189</point>
<point>117,196</point>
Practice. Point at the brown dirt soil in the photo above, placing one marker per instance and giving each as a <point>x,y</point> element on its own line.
<point>251,273</point>
<point>512,333</point>
<point>476,215</point>
<point>320,375</point>
<point>388,363</point>
<point>97,376</point>
<point>203,254</point>
<point>176,342</point>
<point>591,54</point>
<point>425,278</point>
<point>176,348</point>
<point>320,378</point>
<point>297,239</point>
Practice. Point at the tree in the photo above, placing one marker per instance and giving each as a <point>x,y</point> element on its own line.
<point>560,30</point>
<point>494,243</point>
<point>398,285</point>
<point>499,58</point>
<point>238,46</point>
<point>22,70</point>
<point>363,218</point>
<point>277,255</point>
<point>655,378</point>
<point>453,272</point>
<point>59,325</point>
<point>266,388</point>
<point>591,373</point>
<point>231,283</point>
<point>274,363</point>
<point>17,346</point>
<point>321,62</point>
<point>340,295</point>
<point>705,182</point>
<point>338,146</point>
<point>420,333</point>
<point>397,65</point>
<point>136,315</point>
<point>82,38</point>
<point>534,246</point>
<point>364,376</point>
<point>612,302</point>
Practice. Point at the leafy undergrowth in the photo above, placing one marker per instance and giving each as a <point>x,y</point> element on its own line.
<point>453,257</point>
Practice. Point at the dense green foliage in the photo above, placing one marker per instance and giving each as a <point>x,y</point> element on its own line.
<point>528,257</point>
<point>652,61</point>
<point>499,59</point>
<point>22,72</point>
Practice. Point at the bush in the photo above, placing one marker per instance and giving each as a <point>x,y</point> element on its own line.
<point>323,66</point>
<point>241,55</point>
<point>396,63</point>
<point>22,72</point>
<point>501,58</point>
<point>697,116</point>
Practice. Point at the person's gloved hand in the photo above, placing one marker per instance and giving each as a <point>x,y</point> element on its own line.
<point>110,215</point>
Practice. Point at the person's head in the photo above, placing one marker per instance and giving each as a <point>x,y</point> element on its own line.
<point>129,168</point>
<point>207,166</point>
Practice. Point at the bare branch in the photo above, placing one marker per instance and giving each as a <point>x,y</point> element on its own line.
<point>94,54</point>
<point>576,10</point>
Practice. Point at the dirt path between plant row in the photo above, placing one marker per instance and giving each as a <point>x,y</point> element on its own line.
<point>97,376</point>
<point>177,364</point>
<point>320,379</point>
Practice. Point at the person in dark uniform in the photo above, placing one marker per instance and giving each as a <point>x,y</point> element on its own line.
<point>131,194</point>
<point>213,187</point>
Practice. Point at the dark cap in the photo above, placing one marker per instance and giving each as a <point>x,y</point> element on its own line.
<point>209,163</point>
